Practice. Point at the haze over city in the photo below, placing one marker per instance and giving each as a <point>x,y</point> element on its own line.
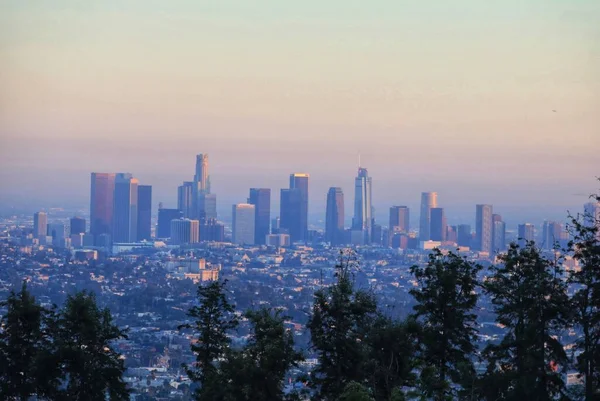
<point>483,102</point>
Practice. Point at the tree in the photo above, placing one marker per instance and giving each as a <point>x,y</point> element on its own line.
<point>355,392</point>
<point>214,317</point>
<point>393,352</point>
<point>257,372</point>
<point>92,368</point>
<point>339,325</point>
<point>445,299</point>
<point>530,301</point>
<point>585,247</point>
<point>26,364</point>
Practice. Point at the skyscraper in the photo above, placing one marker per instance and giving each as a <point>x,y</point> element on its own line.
<point>334,216</point>
<point>591,215</point>
<point>165,216</point>
<point>438,224</point>
<point>201,184</point>
<point>125,208</point>
<point>399,219</point>
<point>77,225</point>
<point>294,207</point>
<point>184,231</point>
<point>101,203</point>
<point>261,199</point>
<point>551,234</point>
<point>144,220</point>
<point>243,224</point>
<point>57,232</point>
<point>207,206</point>
<point>526,233</point>
<point>40,224</point>
<point>483,228</point>
<point>428,201</point>
<point>498,234</point>
<point>464,235</point>
<point>363,211</point>
<point>184,198</point>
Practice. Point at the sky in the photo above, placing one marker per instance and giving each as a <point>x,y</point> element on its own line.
<point>482,101</point>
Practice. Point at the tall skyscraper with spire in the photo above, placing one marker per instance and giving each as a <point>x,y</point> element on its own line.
<point>363,209</point>
<point>203,202</point>
<point>334,217</point>
<point>428,201</point>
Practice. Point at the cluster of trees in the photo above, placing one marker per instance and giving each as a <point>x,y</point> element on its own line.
<point>363,355</point>
<point>61,354</point>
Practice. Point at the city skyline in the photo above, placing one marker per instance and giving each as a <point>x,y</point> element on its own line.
<point>304,87</point>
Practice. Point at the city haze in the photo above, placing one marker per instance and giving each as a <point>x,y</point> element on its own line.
<point>482,102</point>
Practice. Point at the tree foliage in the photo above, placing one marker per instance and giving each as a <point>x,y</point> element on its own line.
<point>446,299</point>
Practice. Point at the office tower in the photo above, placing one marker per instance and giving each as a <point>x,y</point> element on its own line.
<point>261,199</point>
<point>212,231</point>
<point>184,231</point>
<point>275,224</point>
<point>144,220</point>
<point>464,235</point>
<point>526,233</point>
<point>483,228</point>
<point>551,234</point>
<point>40,224</point>
<point>125,208</point>
<point>498,236</point>
<point>184,198</point>
<point>363,211</point>
<point>334,216</point>
<point>207,206</point>
<point>451,234</point>
<point>57,232</point>
<point>591,216</point>
<point>77,225</point>
<point>243,224</point>
<point>376,234</point>
<point>294,208</point>
<point>78,240</point>
<point>399,219</point>
<point>200,185</point>
<point>101,203</point>
<point>165,216</point>
<point>437,231</point>
<point>428,201</point>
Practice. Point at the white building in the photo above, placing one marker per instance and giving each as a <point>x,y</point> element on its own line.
<point>243,224</point>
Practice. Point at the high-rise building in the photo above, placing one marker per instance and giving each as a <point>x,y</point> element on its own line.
<point>212,231</point>
<point>483,228</point>
<point>294,208</point>
<point>57,232</point>
<point>165,216</point>
<point>125,208</point>
<point>207,206</point>
<point>551,234</point>
<point>399,219</point>
<point>451,234</point>
<point>184,231</point>
<point>101,203</point>
<point>261,199</point>
<point>428,201</point>
<point>591,216</point>
<point>243,224</point>
<point>498,233</point>
<point>40,224</point>
<point>275,224</point>
<point>334,216</point>
<point>437,231</point>
<point>526,233</point>
<point>464,235</point>
<point>201,185</point>
<point>363,209</point>
<point>77,225</point>
<point>144,219</point>
<point>184,198</point>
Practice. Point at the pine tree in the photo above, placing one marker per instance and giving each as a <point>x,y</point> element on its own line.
<point>92,368</point>
<point>446,299</point>
<point>214,317</point>
<point>27,367</point>
<point>585,247</point>
<point>530,301</point>
<point>339,325</point>
<point>257,372</point>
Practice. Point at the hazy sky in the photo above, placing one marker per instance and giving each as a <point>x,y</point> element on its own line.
<point>452,96</point>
